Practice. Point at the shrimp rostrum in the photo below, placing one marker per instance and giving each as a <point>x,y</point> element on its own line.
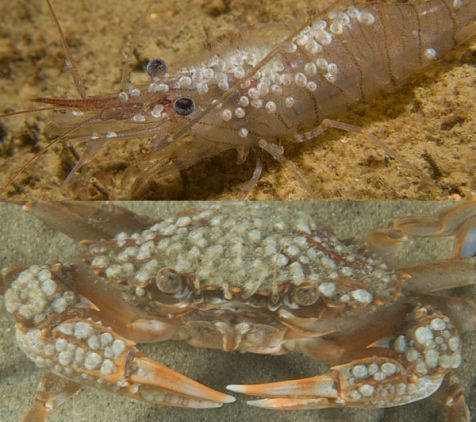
<point>254,95</point>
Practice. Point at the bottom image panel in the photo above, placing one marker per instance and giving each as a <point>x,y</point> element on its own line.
<point>332,310</point>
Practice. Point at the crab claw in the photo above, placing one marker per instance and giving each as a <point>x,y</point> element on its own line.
<point>308,393</point>
<point>412,367</point>
<point>86,352</point>
<point>156,383</point>
<point>458,221</point>
<point>62,332</point>
<point>367,382</point>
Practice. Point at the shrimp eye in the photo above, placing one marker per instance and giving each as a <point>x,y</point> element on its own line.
<point>184,106</point>
<point>156,67</point>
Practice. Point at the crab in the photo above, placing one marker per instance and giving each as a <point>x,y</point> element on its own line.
<point>240,277</point>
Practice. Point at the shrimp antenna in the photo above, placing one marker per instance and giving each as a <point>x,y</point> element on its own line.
<point>69,62</point>
<point>32,110</point>
<point>67,52</point>
<point>42,152</point>
<point>130,44</point>
<point>79,86</point>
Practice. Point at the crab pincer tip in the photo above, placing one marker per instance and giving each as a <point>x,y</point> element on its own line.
<point>265,403</point>
<point>229,399</point>
<point>236,388</point>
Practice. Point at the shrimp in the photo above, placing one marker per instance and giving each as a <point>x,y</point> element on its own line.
<point>283,82</point>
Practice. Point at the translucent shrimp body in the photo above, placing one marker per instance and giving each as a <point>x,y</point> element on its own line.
<point>284,85</point>
<point>348,56</point>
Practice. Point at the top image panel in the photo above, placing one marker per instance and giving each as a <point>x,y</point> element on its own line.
<point>225,100</point>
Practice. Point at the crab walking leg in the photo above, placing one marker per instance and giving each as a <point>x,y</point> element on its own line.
<point>52,392</point>
<point>439,275</point>
<point>412,369</point>
<point>446,223</point>
<point>458,220</point>
<point>62,332</point>
<point>452,397</point>
<point>465,244</point>
<point>86,221</point>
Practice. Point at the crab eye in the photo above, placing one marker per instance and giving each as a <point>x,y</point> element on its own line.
<point>306,294</point>
<point>156,67</point>
<point>169,281</point>
<point>184,106</point>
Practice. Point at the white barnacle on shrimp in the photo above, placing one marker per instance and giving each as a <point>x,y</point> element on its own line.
<point>291,48</point>
<point>313,47</point>
<point>202,88</point>
<point>336,28</point>
<point>162,87</point>
<point>300,80</point>
<point>239,72</point>
<point>332,69</point>
<point>353,12</point>
<point>257,103</point>
<point>322,63</point>
<point>244,101</point>
<point>157,111</point>
<point>263,87</point>
<point>138,118</point>
<point>323,37</point>
<point>123,96</point>
<point>253,93</point>
<point>275,88</point>
<point>243,132</point>
<point>184,82</point>
<point>240,112</point>
<point>271,107</point>
<point>221,77</point>
<point>430,54</point>
<point>303,38</point>
<point>153,87</point>
<point>289,102</point>
<point>134,92</point>
<point>208,73</point>
<point>366,18</point>
<point>311,86</point>
<point>226,115</point>
<point>310,69</point>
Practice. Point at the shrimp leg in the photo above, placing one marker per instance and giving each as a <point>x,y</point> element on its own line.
<point>334,124</point>
<point>277,152</point>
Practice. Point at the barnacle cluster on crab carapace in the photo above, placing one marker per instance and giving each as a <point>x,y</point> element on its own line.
<point>245,251</point>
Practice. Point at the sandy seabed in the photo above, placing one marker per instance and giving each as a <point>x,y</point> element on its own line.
<point>430,122</point>
<point>27,241</point>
